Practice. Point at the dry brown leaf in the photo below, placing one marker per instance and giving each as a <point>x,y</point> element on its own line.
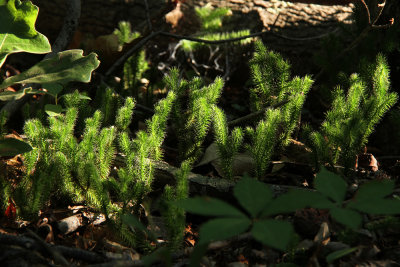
<point>174,16</point>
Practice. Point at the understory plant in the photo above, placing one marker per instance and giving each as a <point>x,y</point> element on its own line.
<point>18,34</point>
<point>281,98</point>
<point>261,206</point>
<point>192,112</point>
<point>211,20</point>
<point>353,116</point>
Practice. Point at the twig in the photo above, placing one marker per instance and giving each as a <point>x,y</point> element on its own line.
<point>147,38</point>
<point>363,34</point>
<point>130,52</point>
<point>199,40</point>
<point>148,16</point>
<point>367,9</point>
<point>71,20</point>
<point>255,114</point>
<point>80,254</point>
<point>305,38</point>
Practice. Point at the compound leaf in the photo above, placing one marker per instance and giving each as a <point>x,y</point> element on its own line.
<point>252,195</point>
<point>331,185</point>
<point>347,217</point>
<point>297,199</point>
<point>375,189</point>
<point>377,206</point>
<point>273,233</point>
<point>223,228</point>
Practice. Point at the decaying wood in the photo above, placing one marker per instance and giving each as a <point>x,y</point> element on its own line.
<point>203,185</point>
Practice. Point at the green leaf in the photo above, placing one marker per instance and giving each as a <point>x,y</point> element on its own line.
<point>209,207</point>
<point>223,228</point>
<point>53,89</point>
<point>347,217</point>
<point>252,195</point>
<point>339,254</point>
<point>17,29</point>
<point>9,95</point>
<point>10,147</point>
<point>273,233</point>
<point>377,206</point>
<point>331,185</point>
<point>53,110</point>
<point>297,199</point>
<point>62,68</point>
<point>375,189</point>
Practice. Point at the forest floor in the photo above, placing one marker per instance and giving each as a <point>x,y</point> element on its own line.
<point>74,234</point>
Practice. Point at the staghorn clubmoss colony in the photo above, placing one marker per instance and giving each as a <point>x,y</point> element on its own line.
<point>67,165</point>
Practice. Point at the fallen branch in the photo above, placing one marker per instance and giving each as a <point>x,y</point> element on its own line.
<point>370,26</point>
<point>152,35</point>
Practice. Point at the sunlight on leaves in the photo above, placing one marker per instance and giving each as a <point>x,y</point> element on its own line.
<point>17,29</point>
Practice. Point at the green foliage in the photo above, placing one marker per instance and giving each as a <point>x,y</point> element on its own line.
<point>193,111</point>
<point>60,166</point>
<point>124,33</point>
<point>192,46</point>
<point>136,176</point>
<point>228,144</point>
<point>263,140</point>
<point>339,254</point>
<point>175,216</point>
<point>211,22</point>
<point>62,68</point>
<point>124,114</point>
<point>256,199</point>
<point>134,69</point>
<point>371,198</point>
<point>211,18</point>
<point>352,118</point>
<point>270,75</point>
<point>9,147</point>
<point>17,29</point>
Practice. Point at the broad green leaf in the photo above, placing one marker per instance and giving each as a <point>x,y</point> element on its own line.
<point>53,110</point>
<point>340,254</point>
<point>209,207</point>
<point>297,199</point>
<point>376,206</point>
<point>252,195</point>
<point>331,185</point>
<point>17,29</point>
<point>223,228</point>
<point>62,68</point>
<point>53,89</point>
<point>273,233</point>
<point>9,95</point>
<point>375,189</point>
<point>10,147</point>
<point>347,217</point>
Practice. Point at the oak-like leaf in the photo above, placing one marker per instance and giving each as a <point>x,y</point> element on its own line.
<point>17,29</point>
